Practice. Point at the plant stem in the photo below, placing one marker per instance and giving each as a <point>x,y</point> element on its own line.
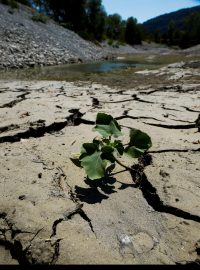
<point>123,165</point>
<point>112,174</point>
<point>128,168</point>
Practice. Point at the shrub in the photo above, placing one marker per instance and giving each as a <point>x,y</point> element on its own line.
<point>110,42</point>
<point>5,2</point>
<point>24,2</point>
<point>12,3</point>
<point>37,17</point>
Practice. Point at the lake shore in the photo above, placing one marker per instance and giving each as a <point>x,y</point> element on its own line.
<point>25,43</point>
<point>50,213</point>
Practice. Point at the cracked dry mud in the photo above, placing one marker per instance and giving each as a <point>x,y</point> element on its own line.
<point>51,214</point>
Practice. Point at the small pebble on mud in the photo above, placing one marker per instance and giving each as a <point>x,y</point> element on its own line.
<point>22,197</point>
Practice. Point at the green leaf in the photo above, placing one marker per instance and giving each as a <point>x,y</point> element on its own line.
<point>107,149</point>
<point>96,141</point>
<point>139,143</point>
<point>108,156</point>
<point>76,162</point>
<point>134,152</point>
<point>94,166</point>
<point>107,126</point>
<point>89,148</point>
<point>140,139</point>
<point>119,147</point>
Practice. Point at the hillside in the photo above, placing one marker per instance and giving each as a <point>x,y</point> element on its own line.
<point>27,43</point>
<point>24,42</point>
<point>162,22</point>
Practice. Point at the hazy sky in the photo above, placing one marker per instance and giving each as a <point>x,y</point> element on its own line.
<point>143,10</point>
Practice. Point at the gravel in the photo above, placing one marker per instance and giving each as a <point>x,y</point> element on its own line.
<point>26,43</point>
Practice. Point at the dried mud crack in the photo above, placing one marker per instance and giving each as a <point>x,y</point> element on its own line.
<point>23,254</point>
<point>174,151</point>
<point>39,131</point>
<point>16,251</point>
<point>134,98</point>
<point>172,126</point>
<point>77,209</point>
<point>150,193</point>
<point>126,116</point>
<point>68,215</point>
<point>19,99</point>
<point>81,219</point>
<point>14,246</point>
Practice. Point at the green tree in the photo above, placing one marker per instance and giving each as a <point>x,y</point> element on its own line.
<point>24,2</point>
<point>132,33</point>
<point>171,32</point>
<point>114,26</point>
<point>157,36</point>
<point>96,17</point>
<point>193,28</point>
<point>70,13</point>
<point>74,13</point>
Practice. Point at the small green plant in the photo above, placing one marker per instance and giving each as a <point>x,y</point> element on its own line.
<point>12,3</point>
<point>37,17</point>
<point>110,42</point>
<point>97,157</point>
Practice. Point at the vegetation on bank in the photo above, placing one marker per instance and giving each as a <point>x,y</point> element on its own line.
<point>180,28</point>
<point>89,19</point>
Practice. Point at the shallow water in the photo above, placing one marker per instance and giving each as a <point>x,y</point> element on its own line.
<point>117,72</point>
<point>73,71</point>
<point>98,67</point>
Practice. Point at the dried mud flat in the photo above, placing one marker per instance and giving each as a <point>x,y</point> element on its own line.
<point>51,214</point>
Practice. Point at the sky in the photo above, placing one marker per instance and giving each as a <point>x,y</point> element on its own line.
<point>144,10</point>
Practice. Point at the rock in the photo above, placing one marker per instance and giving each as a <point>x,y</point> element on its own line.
<point>176,65</point>
<point>22,197</point>
<point>31,64</point>
<point>192,64</point>
<point>72,60</point>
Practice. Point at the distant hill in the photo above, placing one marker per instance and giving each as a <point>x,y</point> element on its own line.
<point>162,22</point>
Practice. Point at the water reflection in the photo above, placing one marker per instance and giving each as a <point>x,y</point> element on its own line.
<point>102,66</point>
<point>72,71</point>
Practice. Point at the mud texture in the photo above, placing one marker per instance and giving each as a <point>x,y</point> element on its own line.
<point>50,213</point>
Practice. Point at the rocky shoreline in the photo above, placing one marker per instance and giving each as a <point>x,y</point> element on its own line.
<point>26,43</point>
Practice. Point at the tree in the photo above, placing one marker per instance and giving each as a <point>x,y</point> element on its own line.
<point>24,2</point>
<point>171,32</point>
<point>190,36</point>
<point>114,26</point>
<point>132,32</point>
<point>96,17</point>
<point>157,36</point>
<point>193,28</point>
<point>75,14</point>
<point>54,9</point>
